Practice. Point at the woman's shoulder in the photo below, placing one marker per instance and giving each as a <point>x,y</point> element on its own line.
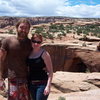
<point>45,53</point>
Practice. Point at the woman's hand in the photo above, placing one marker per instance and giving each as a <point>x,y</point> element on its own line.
<point>46,90</point>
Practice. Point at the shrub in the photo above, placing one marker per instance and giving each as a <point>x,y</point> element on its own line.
<point>39,30</point>
<point>44,34</point>
<point>84,44</point>
<point>10,31</point>
<point>61,98</point>
<point>61,27</point>
<point>50,36</point>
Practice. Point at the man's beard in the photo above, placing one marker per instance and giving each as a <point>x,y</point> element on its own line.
<point>22,35</point>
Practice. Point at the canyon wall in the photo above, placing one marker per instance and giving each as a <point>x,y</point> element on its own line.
<point>73,59</point>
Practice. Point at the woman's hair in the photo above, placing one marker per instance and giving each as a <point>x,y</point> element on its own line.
<point>23,20</point>
<point>37,35</point>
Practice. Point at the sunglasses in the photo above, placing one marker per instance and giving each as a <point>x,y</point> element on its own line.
<point>38,42</point>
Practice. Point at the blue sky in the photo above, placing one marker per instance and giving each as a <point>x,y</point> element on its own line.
<point>68,8</point>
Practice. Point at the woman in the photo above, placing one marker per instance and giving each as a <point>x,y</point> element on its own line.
<point>40,70</point>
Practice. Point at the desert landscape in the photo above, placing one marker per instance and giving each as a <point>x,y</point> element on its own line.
<point>74,46</point>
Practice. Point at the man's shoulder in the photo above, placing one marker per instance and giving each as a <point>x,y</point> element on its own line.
<point>9,38</point>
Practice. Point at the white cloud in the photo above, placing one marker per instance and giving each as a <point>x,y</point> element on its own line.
<point>46,8</point>
<point>80,11</point>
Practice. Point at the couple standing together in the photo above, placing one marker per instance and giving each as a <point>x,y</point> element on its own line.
<point>26,64</point>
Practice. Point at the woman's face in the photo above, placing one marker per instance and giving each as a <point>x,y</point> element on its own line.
<point>36,43</point>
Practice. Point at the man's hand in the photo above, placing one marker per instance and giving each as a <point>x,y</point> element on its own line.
<point>2,84</point>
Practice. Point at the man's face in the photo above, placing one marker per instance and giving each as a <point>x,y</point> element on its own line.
<point>23,30</point>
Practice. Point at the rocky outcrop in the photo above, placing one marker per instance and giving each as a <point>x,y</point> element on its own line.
<point>73,59</point>
<point>90,39</point>
<point>75,86</point>
<point>64,82</point>
<point>90,59</point>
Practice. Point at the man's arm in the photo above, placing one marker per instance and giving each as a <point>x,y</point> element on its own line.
<point>2,58</point>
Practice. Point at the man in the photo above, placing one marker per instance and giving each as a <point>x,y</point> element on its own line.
<point>13,54</point>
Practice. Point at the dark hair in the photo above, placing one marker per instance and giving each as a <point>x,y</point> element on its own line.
<point>23,20</point>
<point>37,35</point>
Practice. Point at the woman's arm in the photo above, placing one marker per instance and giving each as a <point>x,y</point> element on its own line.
<point>48,62</point>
